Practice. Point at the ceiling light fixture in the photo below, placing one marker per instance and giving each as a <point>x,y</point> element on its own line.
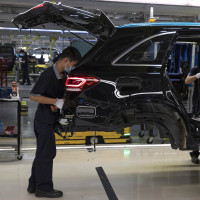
<point>43,30</point>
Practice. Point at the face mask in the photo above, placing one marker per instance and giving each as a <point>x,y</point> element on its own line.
<point>70,69</point>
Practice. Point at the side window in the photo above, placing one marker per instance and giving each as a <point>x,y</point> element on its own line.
<point>151,51</point>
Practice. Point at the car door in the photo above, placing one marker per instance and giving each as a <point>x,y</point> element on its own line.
<point>145,73</point>
<point>169,91</point>
<point>143,65</point>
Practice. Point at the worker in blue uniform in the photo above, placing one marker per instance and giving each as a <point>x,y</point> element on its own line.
<point>193,77</point>
<point>25,68</point>
<point>48,91</point>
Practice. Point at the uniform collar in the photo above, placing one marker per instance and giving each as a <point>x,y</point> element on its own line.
<point>56,72</point>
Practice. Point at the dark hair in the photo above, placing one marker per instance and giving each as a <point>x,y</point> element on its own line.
<point>21,51</point>
<point>70,52</point>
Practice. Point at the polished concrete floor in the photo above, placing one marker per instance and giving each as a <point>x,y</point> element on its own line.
<point>135,171</point>
<point>147,172</point>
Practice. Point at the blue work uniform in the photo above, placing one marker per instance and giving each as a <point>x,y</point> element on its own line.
<point>195,97</point>
<point>50,84</point>
<point>194,71</point>
<point>25,70</point>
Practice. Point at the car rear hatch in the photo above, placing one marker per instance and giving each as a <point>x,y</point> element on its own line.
<point>67,17</point>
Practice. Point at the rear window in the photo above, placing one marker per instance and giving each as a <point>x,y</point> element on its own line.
<point>115,46</point>
<point>151,51</point>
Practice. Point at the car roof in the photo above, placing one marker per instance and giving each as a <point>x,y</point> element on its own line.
<point>161,24</point>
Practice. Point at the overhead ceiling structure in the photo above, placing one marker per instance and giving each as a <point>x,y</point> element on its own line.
<point>120,12</point>
<point>162,2</point>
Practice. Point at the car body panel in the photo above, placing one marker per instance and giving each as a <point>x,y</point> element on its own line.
<point>67,17</point>
<point>134,86</point>
<point>157,103</point>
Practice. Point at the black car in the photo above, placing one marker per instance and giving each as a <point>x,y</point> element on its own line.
<point>124,79</point>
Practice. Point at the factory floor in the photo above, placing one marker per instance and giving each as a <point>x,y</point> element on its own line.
<point>134,172</point>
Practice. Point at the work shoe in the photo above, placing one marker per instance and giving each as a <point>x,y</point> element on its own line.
<point>51,194</point>
<point>195,160</point>
<point>194,157</point>
<point>31,189</point>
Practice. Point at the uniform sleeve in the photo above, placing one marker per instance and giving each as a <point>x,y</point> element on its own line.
<point>193,71</point>
<point>41,86</point>
<point>25,58</point>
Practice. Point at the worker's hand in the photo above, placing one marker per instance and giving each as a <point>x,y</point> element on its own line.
<point>59,103</point>
<point>197,75</point>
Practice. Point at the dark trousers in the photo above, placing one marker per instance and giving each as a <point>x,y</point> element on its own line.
<point>42,168</point>
<point>25,75</point>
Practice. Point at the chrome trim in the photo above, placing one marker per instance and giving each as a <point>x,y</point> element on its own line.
<point>117,92</point>
<point>144,93</point>
<point>169,91</point>
<point>137,44</point>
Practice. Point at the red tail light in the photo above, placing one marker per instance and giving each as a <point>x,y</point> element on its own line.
<point>77,84</point>
<point>39,6</point>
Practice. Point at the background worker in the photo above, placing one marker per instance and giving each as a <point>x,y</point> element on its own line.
<point>193,77</point>
<point>48,91</point>
<point>25,68</point>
